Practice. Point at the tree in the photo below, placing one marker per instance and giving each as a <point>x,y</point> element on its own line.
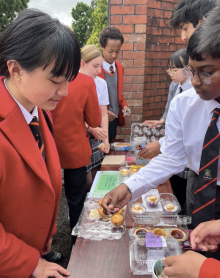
<point>81,22</point>
<point>99,19</point>
<point>9,9</point>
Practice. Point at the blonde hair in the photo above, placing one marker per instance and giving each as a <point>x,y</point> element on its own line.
<point>90,52</point>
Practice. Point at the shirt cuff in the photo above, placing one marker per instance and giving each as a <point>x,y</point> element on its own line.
<point>137,189</point>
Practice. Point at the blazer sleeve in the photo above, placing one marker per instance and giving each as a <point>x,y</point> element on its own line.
<point>17,259</point>
<point>210,269</point>
<point>170,97</point>
<point>92,111</point>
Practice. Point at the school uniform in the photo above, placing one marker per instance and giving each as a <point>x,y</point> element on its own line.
<point>210,269</point>
<point>30,188</point>
<point>79,106</point>
<point>114,79</point>
<point>188,120</point>
<point>103,99</point>
<point>178,181</point>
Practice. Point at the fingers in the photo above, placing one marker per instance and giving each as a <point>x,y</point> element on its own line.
<point>144,153</point>
<point>46,269</point>
<point>151,123</point>
<point>194,234</point>
<point>106,202</point>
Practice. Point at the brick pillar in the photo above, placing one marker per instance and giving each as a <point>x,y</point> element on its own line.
<point>149,42</point>
<point>162,41</point>
<point>130,16</point>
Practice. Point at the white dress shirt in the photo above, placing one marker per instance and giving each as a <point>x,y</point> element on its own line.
<point>106,66</point>
<point>102,91</point>
<point>186,86</point>
<point>27,115</point>
<point>188,119</point>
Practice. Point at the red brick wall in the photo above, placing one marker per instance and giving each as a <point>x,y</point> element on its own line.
<point>162,41</point>
<point>149,41</point>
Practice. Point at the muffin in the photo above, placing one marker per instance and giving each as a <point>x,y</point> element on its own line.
<point>138,209</point>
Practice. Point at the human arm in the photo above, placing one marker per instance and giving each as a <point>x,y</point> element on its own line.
<point>151,150</point>
<point>187,265</point>
<point>46,269</point>
<point>206,236</point>
<point>104,126</point>
<point>111,116</point>
<point>154,123</point>
<point>172,160</point>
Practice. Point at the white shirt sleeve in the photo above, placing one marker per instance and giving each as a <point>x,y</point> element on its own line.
<point>161,140</point>
<point>104,99</point>
<point>172,160</point>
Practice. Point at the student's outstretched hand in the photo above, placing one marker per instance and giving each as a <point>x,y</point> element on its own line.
<point>151,150</point>
<point>111,116</point>
<point>154,123</point>
<point>45,269</point>
<point>206,236</point>
<point>116,199</point>
<point>184,266</point>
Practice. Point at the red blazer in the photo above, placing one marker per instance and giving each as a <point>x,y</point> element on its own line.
<point>210,269</point>
<point>79,106</point>
<point>29,190</point>
<point>121,100</point>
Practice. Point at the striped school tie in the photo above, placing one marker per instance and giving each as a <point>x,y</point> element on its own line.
<point>34,126</point>
<point>111,70</point>
<point>205,194</point>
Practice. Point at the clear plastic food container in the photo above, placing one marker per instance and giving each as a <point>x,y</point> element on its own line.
<point>142,259</point>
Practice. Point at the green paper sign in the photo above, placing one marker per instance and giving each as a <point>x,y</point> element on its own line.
<point>105,183</point>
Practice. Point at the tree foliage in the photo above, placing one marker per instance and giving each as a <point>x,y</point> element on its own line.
<point>81,22</point>
<point>99,16</point>
<point>9,9</point>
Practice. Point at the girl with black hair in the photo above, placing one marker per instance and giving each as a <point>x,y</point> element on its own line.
<point>178,60</point>
<point>38,57</point>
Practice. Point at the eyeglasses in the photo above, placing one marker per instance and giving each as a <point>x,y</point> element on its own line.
<point>172,72</point>
<point>204,77</point>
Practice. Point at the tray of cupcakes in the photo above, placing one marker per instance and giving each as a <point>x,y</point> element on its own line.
<point>143,255</point>
<point>150,243</point>
<point>155,207</point>
<point>176,232</point>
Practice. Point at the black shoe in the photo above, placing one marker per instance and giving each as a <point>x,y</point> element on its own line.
<point>52,257</point>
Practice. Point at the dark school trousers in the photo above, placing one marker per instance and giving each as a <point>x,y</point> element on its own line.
<point>192,182</point>
<point>112,129</point>
<point>178,185</point>
<point>75,190</point>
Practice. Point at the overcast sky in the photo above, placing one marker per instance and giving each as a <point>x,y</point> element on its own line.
<point>57,8</point>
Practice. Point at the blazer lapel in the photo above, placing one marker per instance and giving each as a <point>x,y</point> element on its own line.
<point>18,132</point>
<point>51,154</point>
